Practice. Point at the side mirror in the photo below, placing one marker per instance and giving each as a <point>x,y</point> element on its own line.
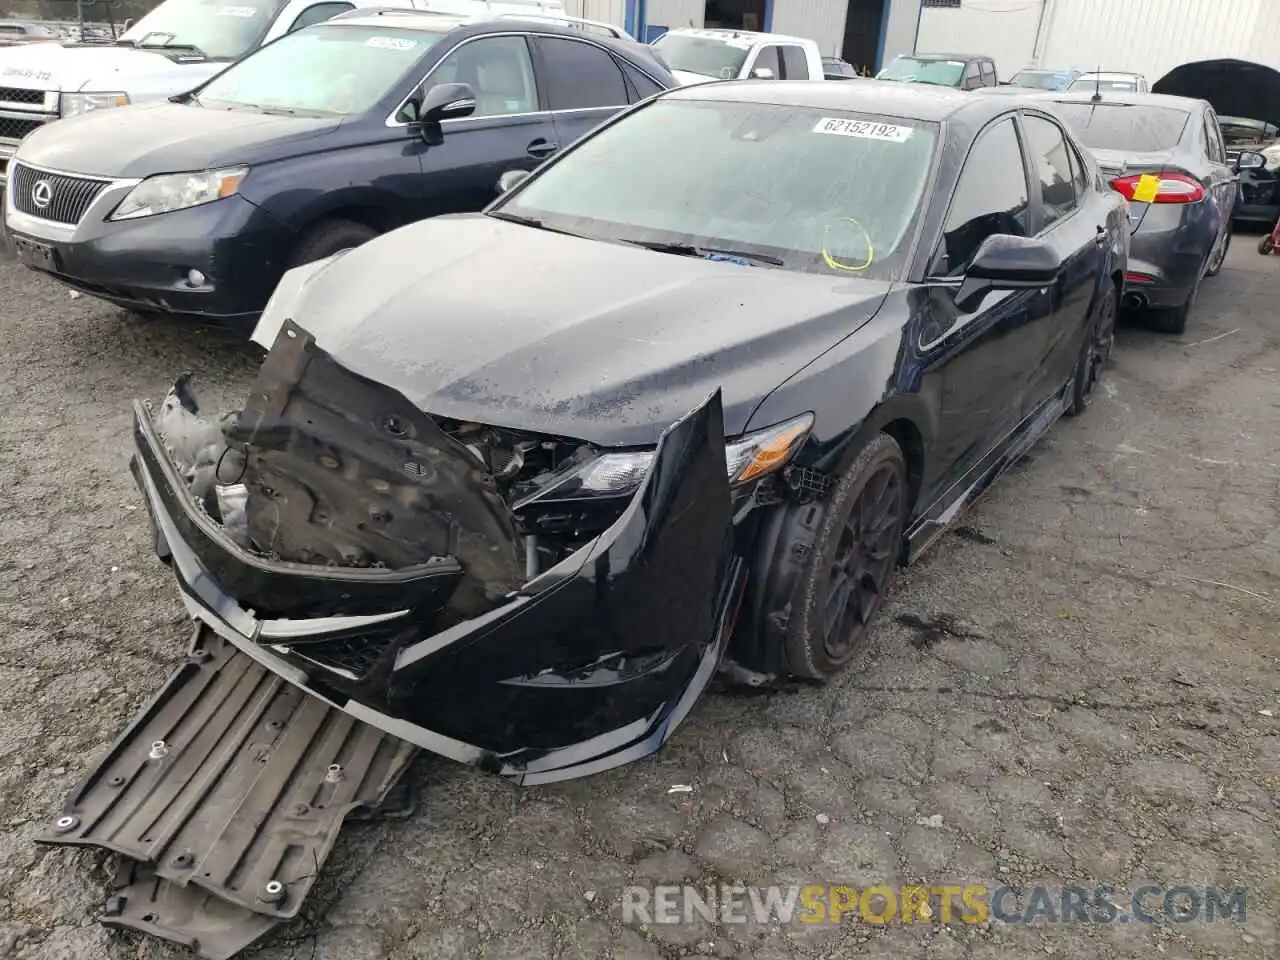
<point>511,179</point>
<point>762,73</point>
<point>1248,160</point>
<point>446,101</point>
<point>1006,262</point>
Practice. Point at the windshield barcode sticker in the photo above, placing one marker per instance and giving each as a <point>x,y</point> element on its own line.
<point>247,13</point>
<point>866,129</point>
<point>391,43</point>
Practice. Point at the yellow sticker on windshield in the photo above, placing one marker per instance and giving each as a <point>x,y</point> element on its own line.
<point>1147,188</point>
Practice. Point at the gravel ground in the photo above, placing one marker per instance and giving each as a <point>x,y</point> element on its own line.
<point>1068,690</point>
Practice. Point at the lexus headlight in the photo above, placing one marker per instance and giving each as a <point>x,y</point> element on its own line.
<point>747,459</point>
<point>74,104</point>
<point>1272,156</point>
<point>177,191</point>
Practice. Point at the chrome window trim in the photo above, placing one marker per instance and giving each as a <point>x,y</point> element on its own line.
<point>391,120</point>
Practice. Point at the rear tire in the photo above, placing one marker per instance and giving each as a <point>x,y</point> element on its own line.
<point>853,563</point>
<point>1266,245</point>
<point>330,237</point>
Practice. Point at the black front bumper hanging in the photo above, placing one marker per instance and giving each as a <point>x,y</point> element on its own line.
<point>223,799</point>
<point>309,688</point>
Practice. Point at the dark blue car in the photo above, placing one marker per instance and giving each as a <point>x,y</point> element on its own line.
<point>316,143</point>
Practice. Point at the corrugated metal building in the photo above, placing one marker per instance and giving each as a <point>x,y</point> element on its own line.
<point>1144,36</point>
<point>865,32</point>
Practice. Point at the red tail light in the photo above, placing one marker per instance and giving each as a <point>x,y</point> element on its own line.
<point>1167,188</point>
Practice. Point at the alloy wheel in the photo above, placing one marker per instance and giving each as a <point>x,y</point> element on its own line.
<point>863,561</point>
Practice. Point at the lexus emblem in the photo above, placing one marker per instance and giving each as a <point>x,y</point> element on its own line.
<point>41,193</point>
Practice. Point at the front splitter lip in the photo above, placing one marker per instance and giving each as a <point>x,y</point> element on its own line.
<point>208,602</point>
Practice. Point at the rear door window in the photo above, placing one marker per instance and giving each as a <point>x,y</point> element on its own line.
<point>580,75</point>
<point>990,197</point>
<point>1213,138</point>
<point>1120,126</point>
<point>1051,165</point>
<point>794,64</point>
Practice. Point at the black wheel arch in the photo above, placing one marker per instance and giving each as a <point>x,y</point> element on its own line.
<point>783,535</point>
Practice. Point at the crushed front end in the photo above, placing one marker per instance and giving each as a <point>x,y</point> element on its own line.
<point>515,601</point>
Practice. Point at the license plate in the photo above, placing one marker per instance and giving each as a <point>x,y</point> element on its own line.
<point>36,254</point>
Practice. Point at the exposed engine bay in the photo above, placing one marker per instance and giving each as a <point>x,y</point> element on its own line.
<point>324,467</point>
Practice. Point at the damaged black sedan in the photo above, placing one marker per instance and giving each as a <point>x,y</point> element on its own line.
<point>513,486</point>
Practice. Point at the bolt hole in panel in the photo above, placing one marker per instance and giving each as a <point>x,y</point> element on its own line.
<point>221,812</point>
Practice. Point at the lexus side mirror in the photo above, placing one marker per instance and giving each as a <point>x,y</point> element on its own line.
<point>1248,160</point>
<point>762,73</point>
<point>446,101</point>
<point>510,179</point>
<point>1006,262</point>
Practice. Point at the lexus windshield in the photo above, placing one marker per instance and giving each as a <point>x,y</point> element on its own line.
<point>944,73</point>
<point>762,185</point>
<point>714,57</point>
<point>212,28</point>
<point>324,70</point>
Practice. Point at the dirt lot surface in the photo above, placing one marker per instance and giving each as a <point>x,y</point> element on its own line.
<point>1070,690</point>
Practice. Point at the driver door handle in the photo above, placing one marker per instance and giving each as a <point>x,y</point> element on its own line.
<point>541,148</point>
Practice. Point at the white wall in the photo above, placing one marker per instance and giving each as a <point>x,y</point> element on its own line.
<point>1154,36</point>
<point>821,21</point>
<point>900,31</point>
<point>675,13</point>
<point>606,11</point>
<point>1004,30</point>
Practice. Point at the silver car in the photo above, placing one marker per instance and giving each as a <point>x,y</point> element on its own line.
<point>1166,156</point>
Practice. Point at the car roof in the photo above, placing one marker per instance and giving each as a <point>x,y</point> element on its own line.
<point>1123,97</point>
<point>1110,74</point>
<point>1049,70</point>
<point>912,101</point>
<point>714,34</point>
<point>437,22</point>
<point>947,56</point>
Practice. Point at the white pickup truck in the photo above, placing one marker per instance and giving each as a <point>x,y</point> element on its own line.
<point>697,56</point>
<point>179,45</point>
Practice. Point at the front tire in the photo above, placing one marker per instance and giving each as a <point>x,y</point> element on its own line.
<point>853,563</point>
<point>1217,260</point>
<point>1095,352</point>
<point>330,237</point>
<point>1266,245</point>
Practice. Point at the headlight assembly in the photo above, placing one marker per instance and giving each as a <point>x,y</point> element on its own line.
<point>747,459</point>
<point>74,104</point>
<point>178,191</point>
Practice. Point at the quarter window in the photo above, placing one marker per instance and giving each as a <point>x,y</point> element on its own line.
<point>1052,167</point>
<point>988,73</point>
<point>318,13</point>
<point>498,70</point>
<point>990,198</point>
<point>794,64</point>
<point>642,85</point>
<point>971,76</point>
<point>580,76</point>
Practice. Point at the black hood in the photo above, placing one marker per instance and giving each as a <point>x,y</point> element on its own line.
<point>1235,88</point>
<point>480,320</point>
<point>151,138</point>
